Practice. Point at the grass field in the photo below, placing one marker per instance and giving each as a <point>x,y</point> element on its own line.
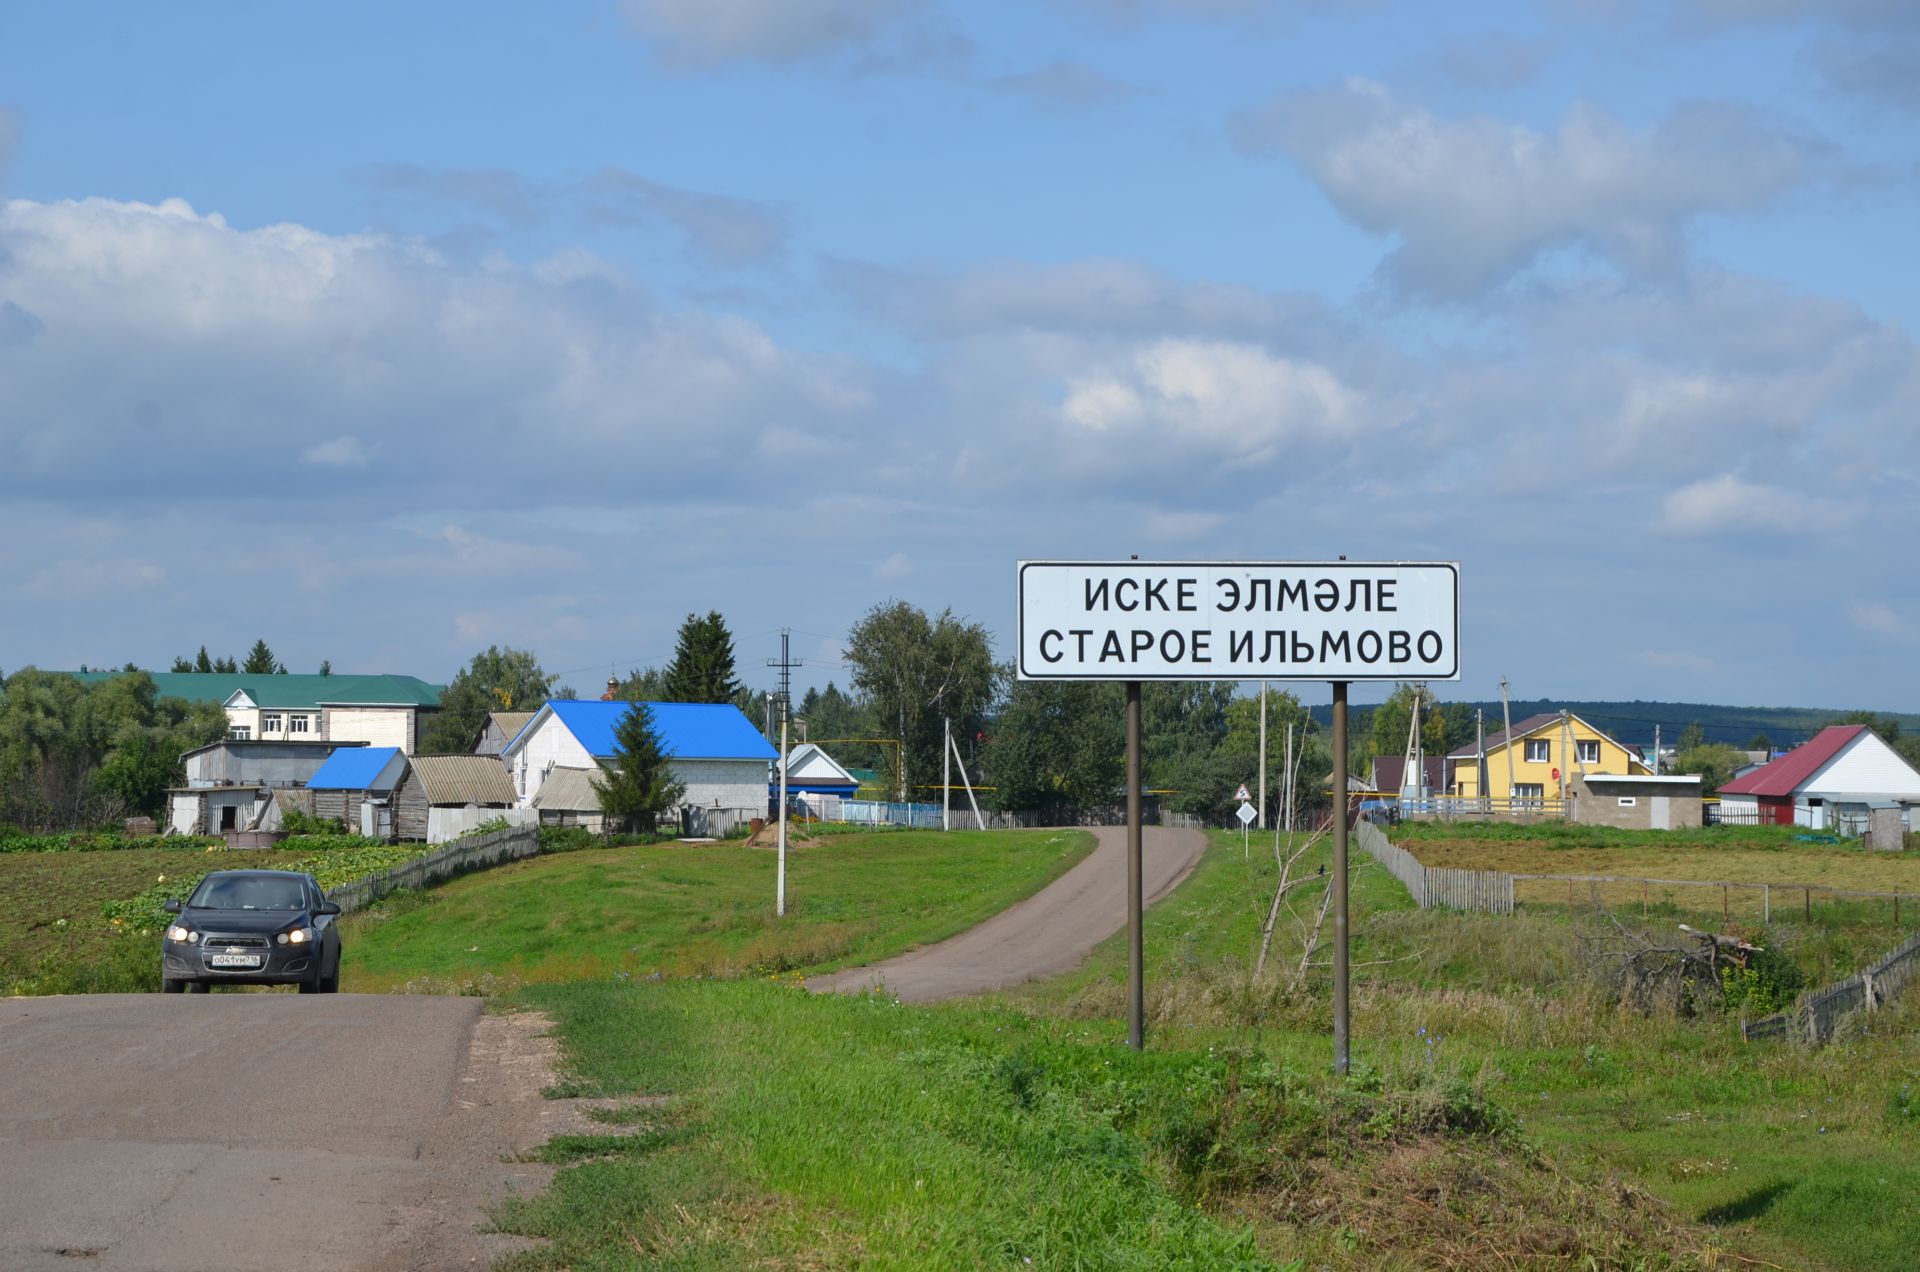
<point>678,910</point>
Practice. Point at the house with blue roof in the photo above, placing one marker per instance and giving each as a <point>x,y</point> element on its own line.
<point>363,787</point>
<point>717,754</point>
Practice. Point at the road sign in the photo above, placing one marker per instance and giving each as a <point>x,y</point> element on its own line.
<point>1241,794</point>
<point>1238,620</point>
<point>1246,814</point>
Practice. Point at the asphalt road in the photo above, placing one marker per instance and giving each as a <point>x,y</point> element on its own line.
<point>1049,932</point>
<point>255,1132</point>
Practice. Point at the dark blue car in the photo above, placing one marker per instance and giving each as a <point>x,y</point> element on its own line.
<point>252,927</point>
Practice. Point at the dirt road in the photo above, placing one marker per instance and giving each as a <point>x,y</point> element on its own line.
<point>1049,932</point>
<point>263,1131</point>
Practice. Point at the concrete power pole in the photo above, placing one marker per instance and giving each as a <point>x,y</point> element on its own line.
<point>1261,807</point>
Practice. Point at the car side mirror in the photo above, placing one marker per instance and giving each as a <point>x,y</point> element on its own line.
<point>327,907</point>
<point>173,906</point>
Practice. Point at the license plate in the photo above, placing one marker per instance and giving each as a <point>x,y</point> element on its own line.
<point>233,960</point>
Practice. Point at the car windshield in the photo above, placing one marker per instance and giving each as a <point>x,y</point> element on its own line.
<point>249,892</point>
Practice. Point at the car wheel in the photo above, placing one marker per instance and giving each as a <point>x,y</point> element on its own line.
<point>168,986</point>
<point>198,987</point>
<point>311,986</point>
<point>331,984</point>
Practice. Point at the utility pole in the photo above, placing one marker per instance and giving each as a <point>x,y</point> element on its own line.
<point>946,770</point>
<point>1656,750</point>
<point>1286,786</point>
<point>786,663</point>
<point>1506,719</point>
<point>1480,757</point>
<point>1261,807</point>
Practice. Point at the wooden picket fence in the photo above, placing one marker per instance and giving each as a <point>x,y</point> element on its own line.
<point>1817,1016</point>
<point>475,852</point>
<point>1480,891</point>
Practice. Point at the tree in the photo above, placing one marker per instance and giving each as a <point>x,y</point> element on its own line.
<point>1715,762</point>
<point>202,662</point>
<point>638,786</point>
<point>916,671</point>
<point>1312,758</point>
<point>649,684</point>
<point>1058,747</point>
<point>260,660</point>
<point>1182,725</point>
<point>496,680</point>
<point>1391,721</point>
<point>1886,726</point>
<point>225,666</point>
<point>702,666</point>
<point>326,667</point>
<point>1692,738</point>
<point>1760,742</point>
<point>182,664</point>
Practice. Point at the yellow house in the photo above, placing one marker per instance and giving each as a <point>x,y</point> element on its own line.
<point>1548,751</point>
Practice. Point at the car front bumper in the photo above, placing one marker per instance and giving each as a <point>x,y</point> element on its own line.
<point>245,962</point>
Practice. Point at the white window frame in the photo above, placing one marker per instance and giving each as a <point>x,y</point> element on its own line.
<point>1546,750</point>
<point>1629,801</point>
<point>271,722</point>
<point>1529,795</point>
<point>1586,750</point>
<point>240,732</point>
<point>297,723</point>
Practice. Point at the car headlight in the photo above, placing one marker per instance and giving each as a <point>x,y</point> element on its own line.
<point>181,935</point>
<point>299,936</point>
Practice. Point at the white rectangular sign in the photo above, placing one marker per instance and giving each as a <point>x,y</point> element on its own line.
<point>1239,620</point>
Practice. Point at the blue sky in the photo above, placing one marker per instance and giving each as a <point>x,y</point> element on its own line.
<point>389,332</point>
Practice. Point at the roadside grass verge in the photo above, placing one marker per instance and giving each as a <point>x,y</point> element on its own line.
<point>1801,1157</point>
<point>837,1131</point>
<point>681,910</point>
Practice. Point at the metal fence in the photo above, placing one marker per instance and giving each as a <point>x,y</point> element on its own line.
<point>1817,1016</point>
<point>1481,891</point>
<point>871,812</point>
<point>478,852</point>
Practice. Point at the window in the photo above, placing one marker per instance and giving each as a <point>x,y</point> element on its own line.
<point>269,723</point>
<point>240,732</point>
<point>1538,750</point>
<point>1628,801</point>
<point>1528,794</point>
<point>297,724</point>
<point>1587,752</point>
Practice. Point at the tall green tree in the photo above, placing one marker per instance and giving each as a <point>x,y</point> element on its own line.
<point>260,660</point>
<point>1391,722</point>
<point>702,666</point>
<point>1692,738</point>
<point>225,666</point>
<point>638,786</point>
<point>1313,758</point>
<point>1057,747</point>
<point>496,680</point>
<point>201,662</point>
<point>917,670</point>
<point>1714,762</point>
<point>181,664</point>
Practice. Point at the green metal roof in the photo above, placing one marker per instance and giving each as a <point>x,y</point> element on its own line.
<point>289,691</point>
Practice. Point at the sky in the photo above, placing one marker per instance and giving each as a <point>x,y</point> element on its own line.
<point>389,332</point>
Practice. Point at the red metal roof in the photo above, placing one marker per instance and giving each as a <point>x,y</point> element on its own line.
<point>1784,775</point>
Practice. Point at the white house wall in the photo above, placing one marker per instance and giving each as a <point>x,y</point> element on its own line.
<point>1866,766</point>
<point>723,783</point>
<point>550,744</point>
<point>376,726</point>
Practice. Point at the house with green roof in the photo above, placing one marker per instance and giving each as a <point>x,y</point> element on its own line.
<point>376,710</point>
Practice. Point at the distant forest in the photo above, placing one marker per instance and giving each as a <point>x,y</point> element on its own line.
<point>1634,722</point>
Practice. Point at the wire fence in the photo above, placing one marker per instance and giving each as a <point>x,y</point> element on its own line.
<point>477,852</point>
<point>1817,1017</point>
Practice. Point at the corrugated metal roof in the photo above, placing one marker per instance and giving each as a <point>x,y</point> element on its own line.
<point>1498,738</point>
<point>352,769</point>
<point>288,691</point>
<point>510,722</point>
<point>459,780</point>
<point>1784,775</point>
<point>1389,770</point>
<point>568,789</point>
<point>688,730</point>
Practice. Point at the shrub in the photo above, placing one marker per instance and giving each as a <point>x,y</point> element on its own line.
<point>296,822</point>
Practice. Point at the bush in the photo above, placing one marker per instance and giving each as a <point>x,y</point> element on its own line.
<point>295,822</point>
<point>1768,983</point>
<point>12,840</point>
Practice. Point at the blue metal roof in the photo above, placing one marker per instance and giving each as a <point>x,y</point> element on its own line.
<point>688,730</point>
<point>352,768</point>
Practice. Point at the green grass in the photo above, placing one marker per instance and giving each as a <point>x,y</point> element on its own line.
<point>677,910</point>
<point>1806,1158</point>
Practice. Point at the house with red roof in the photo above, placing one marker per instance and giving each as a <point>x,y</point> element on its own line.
<point>1831,782</point>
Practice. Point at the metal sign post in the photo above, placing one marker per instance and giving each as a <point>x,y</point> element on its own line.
<point>1337,621</point>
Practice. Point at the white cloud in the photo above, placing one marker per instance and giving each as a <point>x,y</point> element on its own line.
<point>726,230</point>
<point>1232,403</point>
<point>895,568</point>
<point>1730,504</point>
<point>161,332</point>
<point>339,452</point>
<point>1474,201</point>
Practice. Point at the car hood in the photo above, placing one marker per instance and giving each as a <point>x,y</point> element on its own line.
<point>265,922</point>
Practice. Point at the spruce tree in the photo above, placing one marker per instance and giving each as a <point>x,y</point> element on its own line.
<point>702,666</point>
<point>260,660</point>
<point>202,662</point>
<point>639,785</point>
